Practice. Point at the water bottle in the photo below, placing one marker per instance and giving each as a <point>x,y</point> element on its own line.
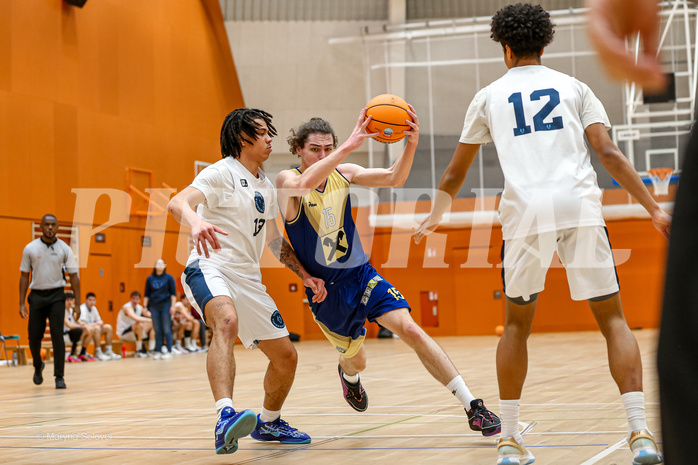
<point>14,359</point>
<point>123,350</point>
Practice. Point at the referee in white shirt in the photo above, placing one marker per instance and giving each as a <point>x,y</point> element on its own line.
<point>47,259</point>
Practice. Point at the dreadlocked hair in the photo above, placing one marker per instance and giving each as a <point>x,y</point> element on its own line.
<point>299,136</point>
<point>239,122</point>
<point>525,28</point>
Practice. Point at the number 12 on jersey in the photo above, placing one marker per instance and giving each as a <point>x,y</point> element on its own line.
<point>539,118</point>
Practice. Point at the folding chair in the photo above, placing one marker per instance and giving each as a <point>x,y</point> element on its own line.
<point>4,347</point>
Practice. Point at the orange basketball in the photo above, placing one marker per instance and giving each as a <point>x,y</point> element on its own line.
<point>43,353</point>
<point>389,114</point>
<point>499,330</point>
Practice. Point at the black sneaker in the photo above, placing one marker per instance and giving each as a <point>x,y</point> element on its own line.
<point>38,378</point>
<point>60,382</point>
<point>354,394</point>
<point>481,419</point>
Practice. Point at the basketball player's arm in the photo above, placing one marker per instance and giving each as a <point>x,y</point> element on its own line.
<point>611,22</point>
<point>182,207</point>
<point>451,182</point>
<point>282,250</point>
<point>297,186</point>
<point>23,286</point>
<point>396,175</point>
<point>622,171</point>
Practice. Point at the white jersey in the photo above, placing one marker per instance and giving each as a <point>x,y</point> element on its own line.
<point>536,117</point>
<point>240,203</point>
<point>123,321</point>
<point>90,315</point>
<point>69,317</point>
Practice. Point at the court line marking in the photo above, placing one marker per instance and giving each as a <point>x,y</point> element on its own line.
<point>349,436</point>
<point>606,452</point>
<point>291,449</point>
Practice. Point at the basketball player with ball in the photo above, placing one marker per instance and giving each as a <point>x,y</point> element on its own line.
<point>537,119</point>
<point>316,207</point>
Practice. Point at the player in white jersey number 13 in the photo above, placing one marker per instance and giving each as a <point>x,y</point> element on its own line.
<point>537,119</point>
<point>235,215</point>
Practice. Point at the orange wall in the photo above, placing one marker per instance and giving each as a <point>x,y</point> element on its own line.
<point>85,93</point>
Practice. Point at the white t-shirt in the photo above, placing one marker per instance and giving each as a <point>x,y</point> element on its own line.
<point>69,317</point>
<point>89,315</point>
<point>239,203</point>
<point>536,118</point>
<point>123,321</point>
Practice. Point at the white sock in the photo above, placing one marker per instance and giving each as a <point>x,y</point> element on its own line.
<point>458,388</point>
<point>635,410</point>
<point>108,350</point>
<point>98,350</point>
<point>151,344</point>
<point>353,379</point>
<point>187,342</point>
<point>223,403</point>
<point>509,414</point>
<point>178,344</point>
<point>139,345</point>
<point>269,415</point>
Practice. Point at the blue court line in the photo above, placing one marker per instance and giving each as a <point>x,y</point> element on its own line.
<point>300,448</point>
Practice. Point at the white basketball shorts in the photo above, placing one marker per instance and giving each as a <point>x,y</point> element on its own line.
<point>585,252</point>
<point>258,317</point>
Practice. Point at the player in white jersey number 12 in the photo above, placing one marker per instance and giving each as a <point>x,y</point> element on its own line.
<point>537,119</point>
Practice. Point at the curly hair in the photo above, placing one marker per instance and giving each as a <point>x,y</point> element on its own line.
<point>299,136</point>
<point>238,122</point>
<point>525,28</point>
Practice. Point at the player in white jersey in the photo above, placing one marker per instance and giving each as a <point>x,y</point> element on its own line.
<point>537,119</point>
<point>235,214</point>
<point>133,323</point>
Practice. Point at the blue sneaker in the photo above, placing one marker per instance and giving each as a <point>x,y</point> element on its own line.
<point>232,426</point>
<point>278,430</point>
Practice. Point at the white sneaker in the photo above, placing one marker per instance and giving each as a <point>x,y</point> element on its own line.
<point>157,356</point>
<point>644,448</point>
<point>192,348</point>
<point>176,351</point>
<point>101,357</point>
<point>166,356</point>
<point>113,356</point>
<point>511,452</point>
<point>141,355</point>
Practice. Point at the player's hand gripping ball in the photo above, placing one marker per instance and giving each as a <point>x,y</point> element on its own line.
<point>389,113</point>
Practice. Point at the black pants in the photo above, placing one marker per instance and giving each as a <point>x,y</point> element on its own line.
<point>677,354</point>
<point>74,334</point>
<point>49,304</point>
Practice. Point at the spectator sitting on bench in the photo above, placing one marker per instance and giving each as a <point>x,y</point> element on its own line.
<point>73,332</point>
<point>92,323</point>
<point>182,323</point>
<point>133,324</point>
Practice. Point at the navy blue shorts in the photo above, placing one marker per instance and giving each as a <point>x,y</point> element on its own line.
<point>350,302</point>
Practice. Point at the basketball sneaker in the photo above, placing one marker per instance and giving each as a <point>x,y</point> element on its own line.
<point>232,426</point>
<point>278,430</point>
<point>87,358</point>
<point>644,448</point>
<point>354,394</point>
<point>481,419</point>
<point>73,359</point>
<point>511,452</point>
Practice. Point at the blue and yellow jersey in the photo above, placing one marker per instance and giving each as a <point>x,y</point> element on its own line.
<point>323,234</point>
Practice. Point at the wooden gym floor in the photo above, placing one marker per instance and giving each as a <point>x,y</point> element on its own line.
<point>143,410</point>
